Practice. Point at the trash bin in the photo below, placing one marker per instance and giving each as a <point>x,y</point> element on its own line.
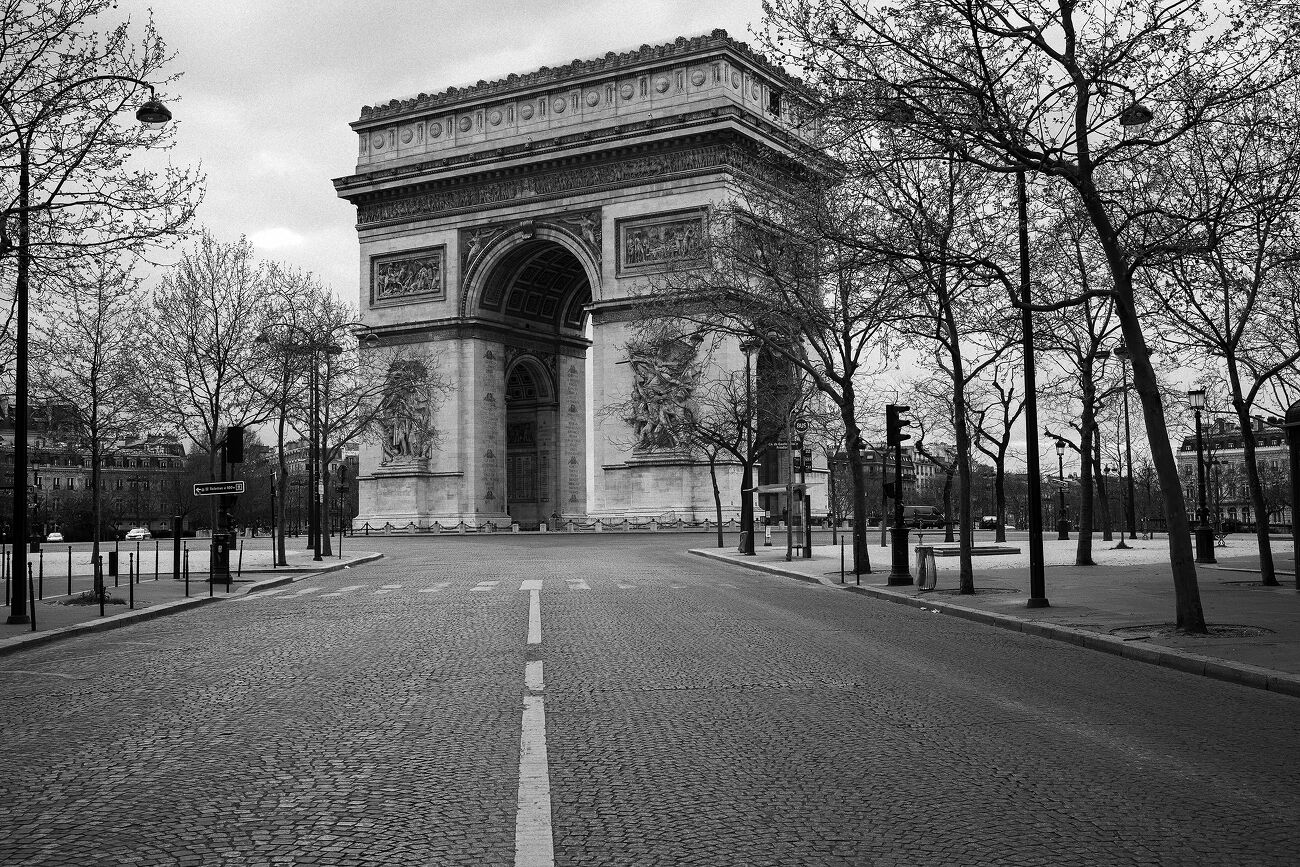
<point>926,577</point>
<point>112,564</point>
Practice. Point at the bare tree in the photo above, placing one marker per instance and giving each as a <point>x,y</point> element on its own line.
<point>66,184</point>
<point>203,355</point>
<point>88,345</point>
<point>1235,304</point>
<point>1044,89</point>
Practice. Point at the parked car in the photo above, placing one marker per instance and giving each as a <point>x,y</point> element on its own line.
<point>138,533</point>
<point>989,522</point>
<point>54,537</point>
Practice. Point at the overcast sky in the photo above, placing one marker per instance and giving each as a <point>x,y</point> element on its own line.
<point>269,87</point>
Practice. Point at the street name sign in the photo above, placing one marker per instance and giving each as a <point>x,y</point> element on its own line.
<point>212,489</point>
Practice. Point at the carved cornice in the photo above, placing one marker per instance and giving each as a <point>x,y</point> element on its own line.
<point>563,178</point>
<point>611,62</point>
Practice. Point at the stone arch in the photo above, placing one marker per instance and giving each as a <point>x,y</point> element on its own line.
<point>504,249</point>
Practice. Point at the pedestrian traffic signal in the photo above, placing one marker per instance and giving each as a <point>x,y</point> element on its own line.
<point>807,459</point>
<point>894,423</point>
<point>891,490</point>
<point>797,457</point>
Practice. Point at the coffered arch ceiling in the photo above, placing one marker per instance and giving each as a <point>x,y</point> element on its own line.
<point>540,283</point>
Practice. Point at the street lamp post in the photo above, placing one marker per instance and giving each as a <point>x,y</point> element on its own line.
<point>153,115</point>
<point>749,347</point>
<point>1062,521</point>
<point>313,348</point>
<point>1204,533</point>
<point>1037,571</point>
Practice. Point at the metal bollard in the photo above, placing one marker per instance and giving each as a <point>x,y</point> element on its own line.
<point>239,567</point>
<point>40,582</point>
<point>100,590</point>
<point>841,561</point>
<point>69,570</point>
<point>186,569</point>
<point>31,599</point>
<point>130,580</point>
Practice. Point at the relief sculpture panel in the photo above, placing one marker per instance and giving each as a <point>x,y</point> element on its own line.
<point>661,241</point>
<point>407,434</point>
<point>665,373</point>
<point>418,275</point>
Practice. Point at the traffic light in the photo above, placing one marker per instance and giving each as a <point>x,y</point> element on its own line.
<point>234,444</point>
<point>797,457</point>
<point>894,423</point>
<point>891,490</point>
<point>807,459</point>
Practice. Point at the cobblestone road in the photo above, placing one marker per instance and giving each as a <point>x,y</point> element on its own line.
<point>694,715</point>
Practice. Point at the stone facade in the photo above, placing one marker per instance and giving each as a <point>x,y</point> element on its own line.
<point>503,229</point>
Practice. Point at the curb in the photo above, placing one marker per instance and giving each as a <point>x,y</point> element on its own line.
<point>126,618</point>
<point>1192,663</point>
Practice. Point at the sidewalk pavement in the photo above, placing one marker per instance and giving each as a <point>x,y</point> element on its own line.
<point>152,596</point>
<point>1122,605</point>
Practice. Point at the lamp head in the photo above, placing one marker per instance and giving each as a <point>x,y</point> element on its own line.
<point>1060,448</point>
<point>153,114</point>
<point>1196,398</point>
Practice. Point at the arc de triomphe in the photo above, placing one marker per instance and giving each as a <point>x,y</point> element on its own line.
<point>503,229</point>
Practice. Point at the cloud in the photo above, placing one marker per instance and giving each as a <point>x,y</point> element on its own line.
<point>275,238</point>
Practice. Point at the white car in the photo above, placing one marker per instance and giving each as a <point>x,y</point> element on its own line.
<point>54,537</point>
<point>138,533</point>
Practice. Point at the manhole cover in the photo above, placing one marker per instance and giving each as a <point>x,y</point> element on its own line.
<point>1165,630</point>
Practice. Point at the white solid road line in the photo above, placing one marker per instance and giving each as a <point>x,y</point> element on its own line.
<point>534,843</point>
<point>534,617</point>
<point>531,584</point>
<point>485,585</point>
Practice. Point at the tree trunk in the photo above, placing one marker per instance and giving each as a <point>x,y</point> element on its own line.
<point>1087,427</point>
<point>1267,571</point>
<point>1190,616</point>
<point>861,558</point>
<point>717,494</point>
<point>1000,495</point>
<point>747,506</point>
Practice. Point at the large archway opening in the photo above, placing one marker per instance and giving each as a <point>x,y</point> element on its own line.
<point>539,292</point>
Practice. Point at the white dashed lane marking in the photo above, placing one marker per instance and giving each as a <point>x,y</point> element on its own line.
<point>441,585</point>
<point>483,586</point>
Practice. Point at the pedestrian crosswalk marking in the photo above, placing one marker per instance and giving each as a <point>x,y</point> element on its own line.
<point>342,590</point>
<point>260,594</point>
<point>576,585</point>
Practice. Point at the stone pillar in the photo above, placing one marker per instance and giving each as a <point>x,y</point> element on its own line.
<point>570,472</point>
